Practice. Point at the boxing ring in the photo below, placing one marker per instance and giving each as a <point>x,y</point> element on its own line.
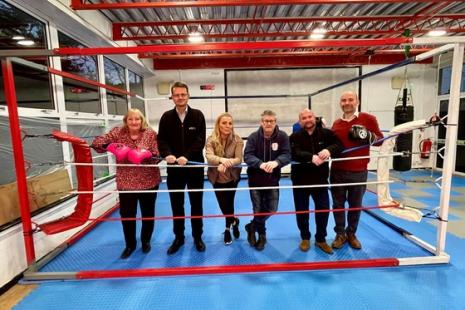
<point>437,255</point>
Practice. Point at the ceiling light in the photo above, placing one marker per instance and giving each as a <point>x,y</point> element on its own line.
<point>317,36</point>
<point>26,42</point>
<point>436,33</point>
<point>318,33</point>
<point>319,30</point>
<point>195,37</point>
<point>18,38</point>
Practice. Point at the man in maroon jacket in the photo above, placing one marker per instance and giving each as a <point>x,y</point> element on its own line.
<point>353,129</point>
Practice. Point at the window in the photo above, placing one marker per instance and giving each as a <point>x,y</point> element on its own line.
<point>115,76</point>
<point>445,80</point>
<point>19,30</point>
<point>136,86</point>
<point>79,96</point>
<point>32,88</point>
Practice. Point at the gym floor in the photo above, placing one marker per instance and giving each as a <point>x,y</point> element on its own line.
<point>417,287</point>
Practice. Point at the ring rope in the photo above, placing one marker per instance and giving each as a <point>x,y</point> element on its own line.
<point>232,189</point>
<point>194,164</point>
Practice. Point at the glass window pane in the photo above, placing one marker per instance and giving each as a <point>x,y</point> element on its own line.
<point>136,86</point>
<point>115,76</point>
<point>85,66</point>
<point>19,30</point>
<point>117,103</point>
<point>445,80</point>
<point>32,88</point>
<point>79,96</point>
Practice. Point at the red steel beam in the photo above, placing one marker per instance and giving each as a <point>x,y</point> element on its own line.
<point>84,5</point>
<point>21,176</point>
<point>413,52</point>
<point>279,34</point>
<point>234,269</point>
<point>90,82</point>
<point>273,27</point>
<point>229,46</point>
<point>276,62</point>
<point>242,21</point>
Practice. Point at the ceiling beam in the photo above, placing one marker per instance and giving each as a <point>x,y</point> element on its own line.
<point>289,20</point>
<point>413,52</point>
<point>86,5</point>
<point>284,34</point>
<point>276,62</point>
<point>230,46</point>
<point>274,27</point>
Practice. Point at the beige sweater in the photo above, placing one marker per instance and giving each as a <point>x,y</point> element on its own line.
<point>233,149</point>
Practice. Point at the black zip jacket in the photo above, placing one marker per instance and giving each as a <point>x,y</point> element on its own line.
<point>182,139</point>
<point>304,146</point>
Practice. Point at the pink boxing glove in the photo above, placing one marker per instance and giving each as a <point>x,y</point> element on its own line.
<point>137,156</point>
<point>119,150</point>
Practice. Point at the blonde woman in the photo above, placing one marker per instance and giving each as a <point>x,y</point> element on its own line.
<point>140,141</point>
<point>224,150</point>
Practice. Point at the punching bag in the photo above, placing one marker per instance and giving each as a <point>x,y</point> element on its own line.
<point>403,113</point>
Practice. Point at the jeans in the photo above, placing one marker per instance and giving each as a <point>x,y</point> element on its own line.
<point>352,194</point>
<point>263,201</point>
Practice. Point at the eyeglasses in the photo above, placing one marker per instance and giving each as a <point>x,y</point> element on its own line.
<point>268,121</point>
<point>180,95</point>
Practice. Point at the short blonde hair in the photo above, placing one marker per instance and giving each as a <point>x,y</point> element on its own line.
<point>144,123</point>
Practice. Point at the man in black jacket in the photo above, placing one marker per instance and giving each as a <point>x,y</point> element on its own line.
<point>311,146</point>
<point>181,138</point>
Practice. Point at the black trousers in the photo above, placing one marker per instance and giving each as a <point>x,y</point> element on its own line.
<point>320,198</point>
<point>226,200</point>
<point>192,178</point>
<point>128,209</point>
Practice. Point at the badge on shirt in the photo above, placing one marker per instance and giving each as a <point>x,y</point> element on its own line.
<point>192,128</point>
<point>274,146</point>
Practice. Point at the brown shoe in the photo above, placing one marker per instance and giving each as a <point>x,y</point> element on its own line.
<point>304,245</point>
<point>339,241</point>
<point>324,247</point>
<point>353,241</point>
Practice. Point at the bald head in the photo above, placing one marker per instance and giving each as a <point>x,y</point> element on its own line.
<point>307,120</point>
<point>349,103</point>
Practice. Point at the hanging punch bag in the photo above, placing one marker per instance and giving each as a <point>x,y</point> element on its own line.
<point>403,113</point>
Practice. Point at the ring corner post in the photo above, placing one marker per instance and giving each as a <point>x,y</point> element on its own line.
<point>16,141</point>
<point>450,150</point>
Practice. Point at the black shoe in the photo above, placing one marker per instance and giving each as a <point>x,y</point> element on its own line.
<point>199,245</point>
<point>175,246</point>
<point>227,237</point>
<point>127,252</point>
<point>235,227</point>
<point>251,238</point>
<point>146,247</point>
<point>260,245</point>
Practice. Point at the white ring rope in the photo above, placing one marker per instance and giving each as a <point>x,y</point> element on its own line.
<point>207,165</point>
<point>230,189</point>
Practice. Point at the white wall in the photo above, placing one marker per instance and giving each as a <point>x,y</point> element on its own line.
<point>379,99</point>
<point>378,96</point>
